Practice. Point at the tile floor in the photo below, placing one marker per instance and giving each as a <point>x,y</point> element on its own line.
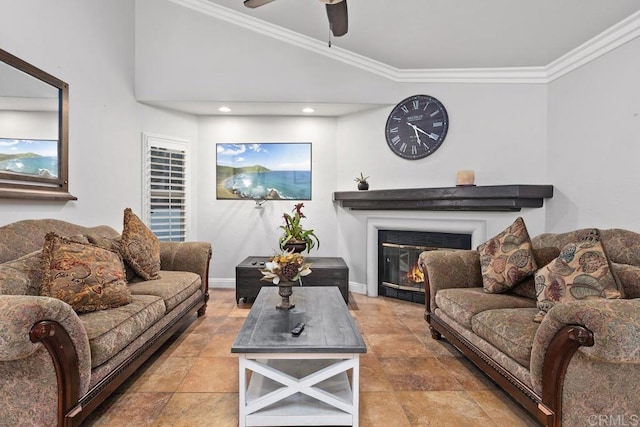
<point>406,378</point>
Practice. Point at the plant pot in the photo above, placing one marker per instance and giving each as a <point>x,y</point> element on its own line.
<point>285,289</point>
<point>363,186</point>
<point>295,247</point>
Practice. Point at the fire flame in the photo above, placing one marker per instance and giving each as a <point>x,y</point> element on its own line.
<point>415,275</point>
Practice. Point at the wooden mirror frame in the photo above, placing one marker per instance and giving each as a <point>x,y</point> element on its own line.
<point>24,186</point>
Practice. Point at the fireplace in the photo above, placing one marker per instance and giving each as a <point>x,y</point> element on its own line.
<point>398,253</point>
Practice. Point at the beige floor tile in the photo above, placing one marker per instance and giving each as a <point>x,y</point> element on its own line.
<point>200,409</point>
<point>443,409</point>
<point>188,345</point>
<point>133,409</point>
<point>467,373</point>
<point>502,409</point>
<point>418,374</point>
<point>381,409</point>
<point>211,375</point>
<point>372,377</point>
<point>382,324</point>
<point>164,375</point>
<point>219,346</point>
<point>396,345</point>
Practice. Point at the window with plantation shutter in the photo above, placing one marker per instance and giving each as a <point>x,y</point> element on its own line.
<point>166,187</point>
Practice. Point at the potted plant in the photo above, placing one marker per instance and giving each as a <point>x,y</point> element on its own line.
<point>295,238</point>
<point>362,182</point>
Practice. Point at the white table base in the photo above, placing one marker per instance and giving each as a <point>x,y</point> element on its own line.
<point>301,389</point>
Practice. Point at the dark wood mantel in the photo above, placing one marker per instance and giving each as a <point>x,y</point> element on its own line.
<point>462,198</point>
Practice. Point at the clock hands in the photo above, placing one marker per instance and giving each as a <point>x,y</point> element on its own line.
<point>416,129</point>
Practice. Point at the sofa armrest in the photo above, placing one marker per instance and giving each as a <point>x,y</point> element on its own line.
<point>187,256</point>
<point>29,324</point>
<point>614,325</point>
<point>444,269</point>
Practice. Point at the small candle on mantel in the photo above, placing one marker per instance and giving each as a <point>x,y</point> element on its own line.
<point>466,177</point>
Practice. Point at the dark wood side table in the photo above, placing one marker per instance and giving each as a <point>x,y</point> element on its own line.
<point>325,271</point>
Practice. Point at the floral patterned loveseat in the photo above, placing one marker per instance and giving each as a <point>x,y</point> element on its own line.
<point>579,366</point>
<point>56,366</point>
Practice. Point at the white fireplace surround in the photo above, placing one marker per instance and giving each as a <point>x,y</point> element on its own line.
<point>476,228</point>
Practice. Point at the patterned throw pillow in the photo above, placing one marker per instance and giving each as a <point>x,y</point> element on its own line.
<point>543,256</point>
<point>113,244</point>
<point>581,271</point>
<point>507,258</point>
<point>84,276</point>
<point>140,247</point>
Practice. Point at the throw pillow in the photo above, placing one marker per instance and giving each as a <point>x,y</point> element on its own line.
<point>543,256</point>
<point>140,247</point>
<point>581,271</point>
<point>84,276</point>
<point>115,245</point>
<point>507,258</point>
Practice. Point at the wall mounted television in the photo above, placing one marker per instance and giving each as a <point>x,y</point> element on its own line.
<point>263,171</point>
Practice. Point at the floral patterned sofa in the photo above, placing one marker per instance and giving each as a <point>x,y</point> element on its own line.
<point>58,365</point>
<point>580,365</point>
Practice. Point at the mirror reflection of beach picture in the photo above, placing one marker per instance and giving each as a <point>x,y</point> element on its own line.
<point>36,157</point>
<point>263,171</point>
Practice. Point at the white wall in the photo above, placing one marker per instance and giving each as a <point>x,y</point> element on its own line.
<point>594,144</point>
<point>497,130</point>
<point>89,45</point>
<point>28,125</point>
<point>236,229</point>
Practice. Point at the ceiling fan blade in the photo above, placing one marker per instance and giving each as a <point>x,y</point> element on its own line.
<point>338,19</point>
<point>256,3</point>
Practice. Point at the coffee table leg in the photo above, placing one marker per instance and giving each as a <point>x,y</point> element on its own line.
<point>242,390</point>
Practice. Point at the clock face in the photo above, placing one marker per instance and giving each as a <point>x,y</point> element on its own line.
<point>417,127</point>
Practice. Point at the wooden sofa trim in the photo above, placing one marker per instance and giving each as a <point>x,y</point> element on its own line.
<point>546,409</point>
<point>556,360</point>
<point>63,353</point>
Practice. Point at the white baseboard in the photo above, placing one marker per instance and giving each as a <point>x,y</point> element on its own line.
<point>358,288</point>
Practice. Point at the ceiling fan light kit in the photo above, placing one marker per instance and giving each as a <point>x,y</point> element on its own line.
<point>336,12</point>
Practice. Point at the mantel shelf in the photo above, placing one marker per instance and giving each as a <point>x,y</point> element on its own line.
<point>494,198</point>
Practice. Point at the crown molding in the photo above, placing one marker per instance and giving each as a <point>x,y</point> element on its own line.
<point>610,39</point>
<point>622,32</point>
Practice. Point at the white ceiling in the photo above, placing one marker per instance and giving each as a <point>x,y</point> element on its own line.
<point>435,34</point>
<point>414,37</point>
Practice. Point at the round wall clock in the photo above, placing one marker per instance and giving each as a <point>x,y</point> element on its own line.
<point>417,127</point>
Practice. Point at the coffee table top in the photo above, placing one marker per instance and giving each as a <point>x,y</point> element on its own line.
<point>329,326</point>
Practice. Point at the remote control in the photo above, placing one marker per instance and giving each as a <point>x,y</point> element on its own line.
<point>297,330</point>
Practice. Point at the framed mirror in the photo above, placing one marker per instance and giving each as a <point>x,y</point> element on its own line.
<point>34,135</point>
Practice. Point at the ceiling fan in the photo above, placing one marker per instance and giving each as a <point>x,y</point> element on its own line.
<point>336,12</point>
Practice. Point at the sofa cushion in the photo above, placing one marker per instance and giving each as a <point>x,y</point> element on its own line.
<point>510,330</point>
<point>543,256</point>
<point>140,247</point>
<point>84,276</point>
<point>109,331</point>
<point>173,287</point>
<point>581,271</point>
<point>507,258</point>
<point>22,276</point>
<point>462,304</point>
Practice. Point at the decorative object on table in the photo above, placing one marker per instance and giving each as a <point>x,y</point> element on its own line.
<point>363,184</point>
<point>285,270</point>
<point>295,238</point>
<point>417,127</point>
<point>465,178</point>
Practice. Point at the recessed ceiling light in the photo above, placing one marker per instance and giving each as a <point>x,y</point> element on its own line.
<point>308,110</point>
<point>224,109</point>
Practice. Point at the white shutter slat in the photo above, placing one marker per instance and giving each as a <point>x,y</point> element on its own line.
<point>166,186</point>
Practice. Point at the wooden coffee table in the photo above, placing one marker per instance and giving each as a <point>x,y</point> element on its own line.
<point>287,380</point>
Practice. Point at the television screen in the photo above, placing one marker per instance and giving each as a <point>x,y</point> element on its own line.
<point>263,171</point>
